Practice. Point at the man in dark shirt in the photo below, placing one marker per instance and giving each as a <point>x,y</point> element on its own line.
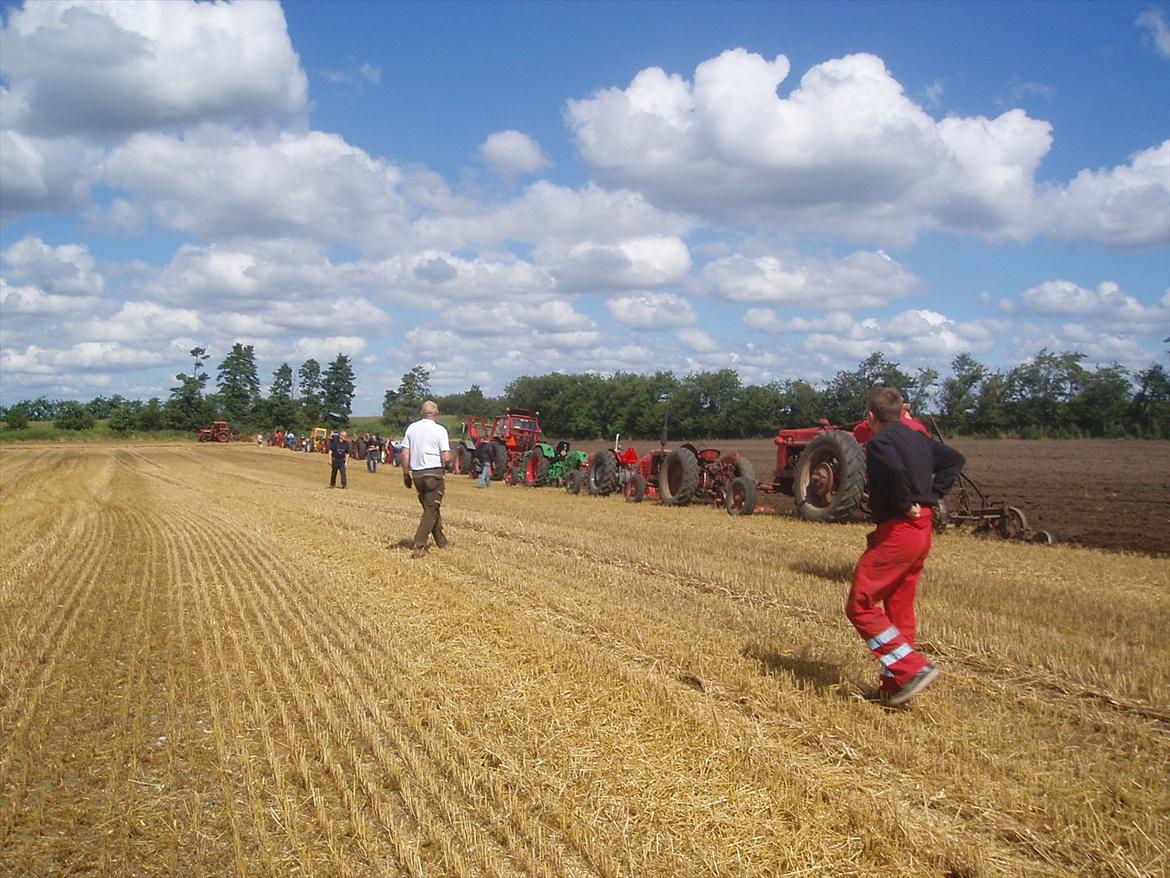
<point>338,450</point>
<point>908,474</point>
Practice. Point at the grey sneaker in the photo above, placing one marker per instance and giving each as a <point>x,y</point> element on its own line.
<point>917,683</point>
<point>419,553</point>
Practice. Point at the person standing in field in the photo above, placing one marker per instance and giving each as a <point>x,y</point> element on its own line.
<point>426,451</point>
<point>909,473</point>
<point>338,450</point>
<point>485,454</point>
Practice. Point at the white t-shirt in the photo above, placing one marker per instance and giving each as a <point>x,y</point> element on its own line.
<point>426,439</point>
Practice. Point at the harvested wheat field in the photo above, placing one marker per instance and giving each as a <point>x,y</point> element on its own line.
<point>211,664</point>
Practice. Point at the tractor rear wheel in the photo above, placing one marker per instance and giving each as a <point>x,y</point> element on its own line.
<point>462,459</point>
<point>603,473</point>
<point>678,479</point>
<point>635,488</point>
<point>535,468</point>
<point>500,461</point>
<point>740,496</point>
<point>575,479</point>
<point>830,477</point>
<point>223,437</point>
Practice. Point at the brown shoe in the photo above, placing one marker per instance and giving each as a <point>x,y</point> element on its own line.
<point>443,544</point>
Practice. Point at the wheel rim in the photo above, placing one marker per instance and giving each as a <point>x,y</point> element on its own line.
<point>822,481</point>
<point>736,497</point>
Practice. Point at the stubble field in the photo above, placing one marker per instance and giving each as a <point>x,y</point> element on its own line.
<point>211,664</point>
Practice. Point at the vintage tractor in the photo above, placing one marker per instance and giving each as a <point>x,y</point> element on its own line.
<point>513,434</point>
<point>545,465</point>
<point>676,477</point>
<point>823,469</point>
<point>219,431</point>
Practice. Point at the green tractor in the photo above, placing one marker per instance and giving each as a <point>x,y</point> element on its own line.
<point>545,465</point>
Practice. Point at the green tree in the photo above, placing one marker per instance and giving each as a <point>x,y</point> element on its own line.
<point>151,417</point>
<point>124,419</point>
<point>312,406</point>
<point>847,394</point>
<point>960,393</point>
<point>17,416</point>
<point>1038,393</point>
<point>187,409</point>
<point>399,407</point>
<point>239,386</point>
<point>282,408</point>
<point>1101,407</point>
<point>337,390</point>
<point>1150,407</point>
<point>73,416</point>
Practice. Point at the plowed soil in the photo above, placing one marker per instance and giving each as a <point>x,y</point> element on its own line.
<point>1103,493</point>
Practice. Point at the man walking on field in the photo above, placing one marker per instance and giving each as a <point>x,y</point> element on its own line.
<point>426,451</point>
<point>908,474</point>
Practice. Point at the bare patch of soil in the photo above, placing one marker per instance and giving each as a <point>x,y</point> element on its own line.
<point>1101,493</point>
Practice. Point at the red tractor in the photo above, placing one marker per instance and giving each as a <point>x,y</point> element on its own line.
<point>676,477</point>
<point>513,434</point>
<point>219,431</point>
<point>823,469</point>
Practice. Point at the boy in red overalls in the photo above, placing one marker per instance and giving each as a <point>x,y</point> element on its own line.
<point>908,473</point>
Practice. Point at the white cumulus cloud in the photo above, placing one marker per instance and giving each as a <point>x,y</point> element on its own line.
<point>651,311</point>
<point>1108,307</point>
<point>510,153</point>
<point>861,279</point>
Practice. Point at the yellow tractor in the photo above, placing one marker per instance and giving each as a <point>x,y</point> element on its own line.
<point>319,437</point>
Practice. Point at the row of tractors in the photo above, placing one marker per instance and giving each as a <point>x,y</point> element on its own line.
<point>822,468</point>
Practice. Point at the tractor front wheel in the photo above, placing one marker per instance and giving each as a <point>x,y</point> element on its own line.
<point>830,477</point>
<point>635,488</point>
<point>575,479</point>
<point>678,479</point>
<point>740,496</point>
<point>535,468</point>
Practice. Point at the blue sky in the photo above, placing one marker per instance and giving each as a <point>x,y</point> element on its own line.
<point>501,189</point>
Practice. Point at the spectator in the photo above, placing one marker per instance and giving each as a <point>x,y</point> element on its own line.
<point>426,451</point>
<point>371,454</point>
<point>338,451</point>
<point>485,453</point>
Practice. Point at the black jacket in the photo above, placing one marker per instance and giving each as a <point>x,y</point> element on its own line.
<point>908,467</point>
<point>338,448</point>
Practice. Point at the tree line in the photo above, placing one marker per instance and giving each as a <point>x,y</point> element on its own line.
<point>1051,395</point>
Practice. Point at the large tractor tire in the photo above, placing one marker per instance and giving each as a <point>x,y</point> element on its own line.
<point>678,479</point>
<point>740,496</point>
<point>603,473</point>
<point>462,459</point>
<point>635,488</point>
<point>535,468</point>
<point>223,437</point>
<point>500,461</point>
<point>830,478</point>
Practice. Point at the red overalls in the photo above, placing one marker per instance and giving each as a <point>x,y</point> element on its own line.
<point>881,601</point>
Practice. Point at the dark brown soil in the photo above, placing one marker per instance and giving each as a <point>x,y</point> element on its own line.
<point>1104,493</point>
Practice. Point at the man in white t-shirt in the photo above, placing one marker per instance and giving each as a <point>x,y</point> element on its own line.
<point>426,451</point>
